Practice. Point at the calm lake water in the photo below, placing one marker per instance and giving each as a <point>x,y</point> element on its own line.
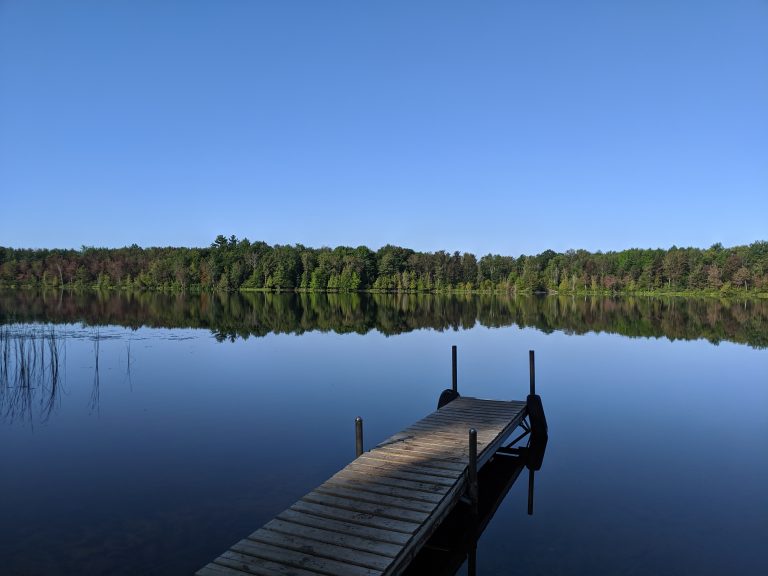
<point>145,434</point>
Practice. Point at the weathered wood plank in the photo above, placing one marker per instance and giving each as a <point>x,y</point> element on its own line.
<point>473,411</point>
<point>426,442</point>
<point>303,560</point>
<point>412,465</point>
<point>361,518</point>
<point>351,541</point>
<point>259,566</point>
<point>452,426</point>
<point>376,509</point>
<point>457,435</point>
<point>475,408</point>
<point>416,490</point>
<point>216,570</point>
<point>469,400</point>
<point>354,494</point>
<point>326,550</point>
<point>424,456</point>
<point>461,419</point>
<point>436,443</point>
<point>406,454</point>
<point>325,523</point>
<point>393,471</point>
<point>480,409</point>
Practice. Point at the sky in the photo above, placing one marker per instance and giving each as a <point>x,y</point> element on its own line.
<point>505,127</point>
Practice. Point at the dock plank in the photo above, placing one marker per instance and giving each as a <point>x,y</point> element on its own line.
<point>351,541</point>
<point>320,549</point>
<point>361,518</point>
<point>304,560</point>
<point>371,517</point>
<point>420,458</point>
<point>412,466</point>
<point>374,468</point>
<point>217,570</point>
<point>378,510</point>
<point>355,494</point>
<point>245,564</point>
<point>416,490</point>
<point>372,533</point>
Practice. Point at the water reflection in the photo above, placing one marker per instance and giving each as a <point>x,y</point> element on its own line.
<point>96,388</point>
<point>30,372</point>
<point>240,315</point>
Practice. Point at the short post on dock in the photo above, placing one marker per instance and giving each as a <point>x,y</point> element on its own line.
<point>358,437</point>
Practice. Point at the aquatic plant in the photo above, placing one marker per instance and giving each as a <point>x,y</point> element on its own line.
<point>30,371</point>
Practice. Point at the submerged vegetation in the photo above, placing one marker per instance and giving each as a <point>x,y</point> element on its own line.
<point>229,264</point>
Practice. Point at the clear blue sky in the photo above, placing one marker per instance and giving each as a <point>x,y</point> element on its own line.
<point>507,127</point>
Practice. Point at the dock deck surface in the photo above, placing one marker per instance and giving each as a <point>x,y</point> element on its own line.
<point>373,516</point>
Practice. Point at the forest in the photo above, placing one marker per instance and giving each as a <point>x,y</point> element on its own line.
<point>231,264</point>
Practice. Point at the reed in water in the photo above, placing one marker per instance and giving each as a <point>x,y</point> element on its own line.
<point>30,371</point>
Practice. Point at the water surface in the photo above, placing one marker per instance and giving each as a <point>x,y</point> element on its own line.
<point>178,425</point>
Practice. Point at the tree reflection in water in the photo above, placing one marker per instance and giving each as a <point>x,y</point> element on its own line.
<point>241,315</point>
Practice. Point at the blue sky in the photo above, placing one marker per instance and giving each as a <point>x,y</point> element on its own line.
<point>507,127</point>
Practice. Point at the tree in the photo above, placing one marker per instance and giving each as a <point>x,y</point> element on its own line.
<point>742,277</point>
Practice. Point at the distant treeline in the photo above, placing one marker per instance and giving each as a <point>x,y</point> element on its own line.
<point>229,264</point>
<point>240,315</point>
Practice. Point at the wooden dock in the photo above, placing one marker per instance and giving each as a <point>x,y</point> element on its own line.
<point>372,517</point>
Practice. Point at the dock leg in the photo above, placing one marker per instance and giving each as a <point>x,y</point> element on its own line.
<point>474,498</point>
<point>535,408</point>
<point>358,437</point>
<point>454,381</point>
<point>472,560</point>
<point>474,492</point>
<point>530,492</point>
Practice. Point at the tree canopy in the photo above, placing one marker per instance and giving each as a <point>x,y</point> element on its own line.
<point>230,264</point>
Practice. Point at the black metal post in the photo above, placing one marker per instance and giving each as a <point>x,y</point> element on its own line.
<point>472,560</point>
<point>474,492</point>
<point>530,492</point>
<point>358,437</point>
<point>474,497</point>
<point>454,385</point>
<point>532,366</point>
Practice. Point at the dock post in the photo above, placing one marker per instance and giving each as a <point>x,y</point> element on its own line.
<point>474,492</point>
<point>474,498</point>
<point>530,492</point>
<point>532,368</point>
<point>535,408</point>
<point>358,437</point>
<point>447,395</point>
<point>454,384</point>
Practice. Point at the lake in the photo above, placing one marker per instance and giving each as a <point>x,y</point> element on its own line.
<point>146,433</point>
